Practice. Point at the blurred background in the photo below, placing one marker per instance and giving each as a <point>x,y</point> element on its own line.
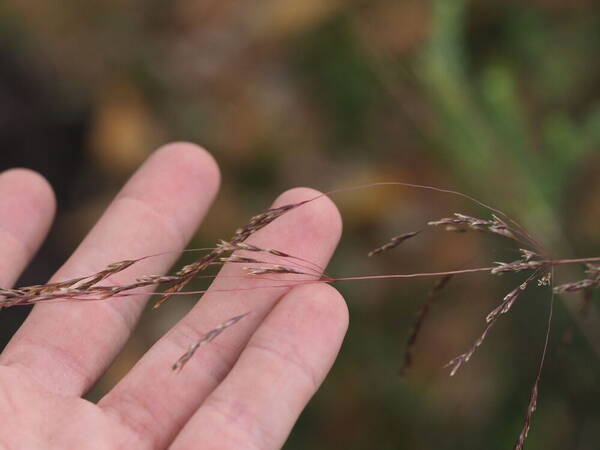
<point>498,99</point>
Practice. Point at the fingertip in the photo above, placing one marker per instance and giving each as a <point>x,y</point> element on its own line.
<point>190,157</point>
<point>178,182</point>
<point>296,195</point>
<point>320,214</point>
<point>36,193</point>
<point>321,304</point>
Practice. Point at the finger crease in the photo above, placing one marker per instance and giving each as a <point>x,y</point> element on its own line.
<point>290,356</point>
<point>160,216</point>
<point>237,415</point>
<point>135,415</point>
<point>58,354</point>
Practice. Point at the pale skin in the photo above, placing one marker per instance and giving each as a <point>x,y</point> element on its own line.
<point>245,389</point>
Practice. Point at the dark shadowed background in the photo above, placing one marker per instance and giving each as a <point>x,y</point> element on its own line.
<point>498,99</point>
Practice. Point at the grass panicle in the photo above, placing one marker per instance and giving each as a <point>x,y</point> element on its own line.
<point>259,263</point>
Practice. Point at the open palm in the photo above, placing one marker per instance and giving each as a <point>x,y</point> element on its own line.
<point>244,390</point>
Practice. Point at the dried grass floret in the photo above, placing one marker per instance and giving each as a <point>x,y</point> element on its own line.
<point>462,222</point>
<point>580,285</point>
<point>274,268</point>
<point>531,407</point>
<point>212,334</point>
<point>411,342</point>
<point>516,266</point>
<point>593,270</point>
<point>393,243</point>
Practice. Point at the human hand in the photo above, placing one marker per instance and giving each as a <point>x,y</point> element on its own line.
<point>244,390</point>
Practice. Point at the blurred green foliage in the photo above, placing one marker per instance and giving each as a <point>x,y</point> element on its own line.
<point>340,77</point>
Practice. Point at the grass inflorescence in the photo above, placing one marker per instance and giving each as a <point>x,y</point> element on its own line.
<point>259,263</point>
